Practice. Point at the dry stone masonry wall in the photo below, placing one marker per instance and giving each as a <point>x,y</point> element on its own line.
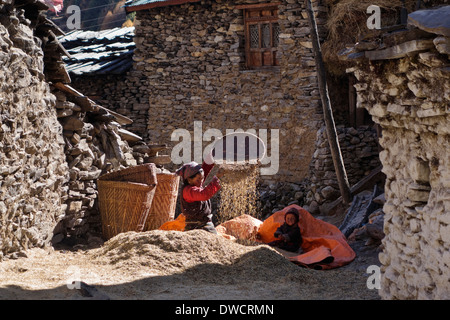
<point>54,141</point>
<point>406,89</point>
<point>33,170</point>
<point>192,58</point>
<point>360,149</point>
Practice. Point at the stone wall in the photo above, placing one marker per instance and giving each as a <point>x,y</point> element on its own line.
<point>409,96</point>
<point>54,141</point>
<point>360,151</point>
<point>190,62</point>
<point>208,64</point>
<point>126,94</point>
<point>33,170</point>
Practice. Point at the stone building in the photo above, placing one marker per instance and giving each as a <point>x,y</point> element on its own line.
<point>195,65</point>
<point>231,65</point>
<point>404,83</point>
<point>57,140</point>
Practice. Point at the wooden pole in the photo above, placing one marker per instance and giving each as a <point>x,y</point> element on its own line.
<point>327,111</point>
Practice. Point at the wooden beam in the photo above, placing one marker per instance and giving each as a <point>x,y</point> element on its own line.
<point>157,4</point>
<point>332,136</point>
<point>400,50</point>
<point>128,136</point>
<point>89,104</point>
<point>60,46</point>
<point>365,183</point>
<point>257,5</point>
<point>351,101</point>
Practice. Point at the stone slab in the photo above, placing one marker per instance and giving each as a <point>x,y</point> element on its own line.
<point>401,50</point>
<point>433,20</point>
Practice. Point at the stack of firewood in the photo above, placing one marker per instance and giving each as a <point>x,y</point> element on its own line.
<point>95,143</point>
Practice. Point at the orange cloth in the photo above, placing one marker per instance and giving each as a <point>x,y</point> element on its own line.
<point>324,245</point>
<point>177,225</point>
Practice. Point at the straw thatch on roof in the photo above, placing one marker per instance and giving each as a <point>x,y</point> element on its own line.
<point>347,24</point>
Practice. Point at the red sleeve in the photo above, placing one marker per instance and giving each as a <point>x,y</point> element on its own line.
<point>192,193</point>
<point>207,168</point>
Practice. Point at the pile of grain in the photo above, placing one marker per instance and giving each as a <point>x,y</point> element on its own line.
<point>178,265</point>
<point>168,252</point>
<point>192,252</point>
<point>239,192</point>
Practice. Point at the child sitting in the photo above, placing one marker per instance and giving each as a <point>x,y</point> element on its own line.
<point>288,234</point>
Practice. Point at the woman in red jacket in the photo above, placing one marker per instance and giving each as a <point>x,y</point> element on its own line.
<point>195,200</point>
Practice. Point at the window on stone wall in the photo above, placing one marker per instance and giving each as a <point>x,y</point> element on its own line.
<point>261,34</point>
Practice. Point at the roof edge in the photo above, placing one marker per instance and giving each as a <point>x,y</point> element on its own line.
<point>157,4</point>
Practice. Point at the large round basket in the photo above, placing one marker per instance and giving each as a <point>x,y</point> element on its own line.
<point>124,206</point>
<point>125,198</point>
<point>144,173</point>
<point>164,202</point>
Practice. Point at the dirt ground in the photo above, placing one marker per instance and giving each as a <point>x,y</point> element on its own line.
<point>172,265</point>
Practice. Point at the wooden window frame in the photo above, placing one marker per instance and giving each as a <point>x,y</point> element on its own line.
<point>256,14</point>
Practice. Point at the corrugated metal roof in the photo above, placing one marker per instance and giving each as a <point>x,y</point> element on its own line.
<point>137,5</point>
<point>99,52</point>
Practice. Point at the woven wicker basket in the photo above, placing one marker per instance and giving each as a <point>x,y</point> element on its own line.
<point>125,198</point>
<point>144,173</point>
<point>164,202</point>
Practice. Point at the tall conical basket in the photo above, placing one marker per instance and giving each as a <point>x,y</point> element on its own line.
<point>164,202</point>
<point>125,199</point>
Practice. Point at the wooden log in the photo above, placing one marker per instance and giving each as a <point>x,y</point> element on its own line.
<point>376,33</point>
<point>57,72</point>
<point>113,140</point>
<point>365,183</point>
<point>128,136</point>
<point>400,36</point>
<point>332,137</point>
<point>122,120</point>
<point>49,24</point>
<point>157,147</point>
<point>368,181</point>
<point>59,45</point>
<point>90,105</point>
<point>158,160</point>
<point>151,150</point>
